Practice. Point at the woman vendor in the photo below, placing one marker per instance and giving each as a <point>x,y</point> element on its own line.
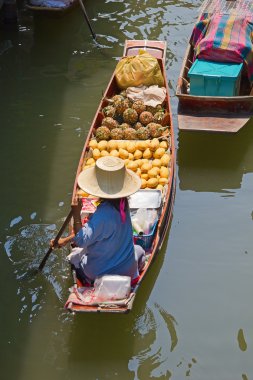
<point>106,240</point>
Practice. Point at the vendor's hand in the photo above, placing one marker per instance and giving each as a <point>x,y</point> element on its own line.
<point>61,243</point>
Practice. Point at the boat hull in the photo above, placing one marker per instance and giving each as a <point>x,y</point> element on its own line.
<point>158,49</point>
<point>213,114</point>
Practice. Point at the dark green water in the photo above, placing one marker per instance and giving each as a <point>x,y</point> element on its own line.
<point>193,314</point>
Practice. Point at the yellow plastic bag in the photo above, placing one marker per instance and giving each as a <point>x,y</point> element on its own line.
<point>142,69</point>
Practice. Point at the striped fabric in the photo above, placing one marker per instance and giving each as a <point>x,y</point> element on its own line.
<point>224,38</point>
<point>240,7</point>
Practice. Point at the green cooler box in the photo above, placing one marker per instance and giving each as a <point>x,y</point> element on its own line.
<point>208,78</point>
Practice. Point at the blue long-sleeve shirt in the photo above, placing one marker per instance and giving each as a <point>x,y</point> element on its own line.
<point>107,244</point>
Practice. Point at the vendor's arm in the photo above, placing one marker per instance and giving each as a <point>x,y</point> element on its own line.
<point>94,230</point>
<point>63,241</point>
<point>77,226</point>
<point>86,235</point>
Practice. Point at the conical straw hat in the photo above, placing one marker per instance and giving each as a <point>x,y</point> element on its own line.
<point>109,178</point>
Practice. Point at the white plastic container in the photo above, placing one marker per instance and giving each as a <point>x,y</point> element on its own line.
<point>112,287</point>
<point>145,199</point>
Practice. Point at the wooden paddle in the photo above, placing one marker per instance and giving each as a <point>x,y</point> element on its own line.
<point>67,220</point>
<point>87,20</point>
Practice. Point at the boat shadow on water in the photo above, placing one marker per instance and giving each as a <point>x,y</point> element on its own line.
<point>130,341</point>
<point>214,162</point>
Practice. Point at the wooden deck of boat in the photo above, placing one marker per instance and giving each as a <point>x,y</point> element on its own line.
<point>201,123</point>
<point>155,48</point>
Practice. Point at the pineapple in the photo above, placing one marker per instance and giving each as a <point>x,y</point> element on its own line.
<point>129,134</point>
<point>109,122</point>
<point>158,117</point>
<point>146,117</point>
<point>155,129</point>
<point>153,110</point>
<point>138,125</point>
<point>123,93</point>
<point>117,134</point>
<point>109,111</point>
<point>117,99</point>
<point>130,116</point>
<point>125,125</point>
<point>122,106</point>
<point>143,133</point>
<point>139,106</point>
<point>102,133</point>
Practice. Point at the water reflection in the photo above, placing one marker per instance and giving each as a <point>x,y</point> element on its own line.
<point>46,50</point>
<point>171,325</point>
<point>157,326</point>
<point>214,162</point>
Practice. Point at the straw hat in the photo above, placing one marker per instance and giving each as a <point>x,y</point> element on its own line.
<point>109,178</point>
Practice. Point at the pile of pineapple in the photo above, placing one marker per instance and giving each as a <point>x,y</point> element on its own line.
<point>128,120</point>
<point>131,131</point>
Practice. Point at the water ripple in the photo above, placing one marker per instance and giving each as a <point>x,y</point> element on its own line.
<point>25,250</point>
<point>158,327</point>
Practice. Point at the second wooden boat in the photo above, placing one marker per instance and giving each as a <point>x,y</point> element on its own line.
<point>50,8</point>
<point>226,114</point>
<point>161,195</point>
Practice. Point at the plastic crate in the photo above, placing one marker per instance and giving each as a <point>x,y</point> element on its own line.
<point>208,78</point>
<point>145,241</point>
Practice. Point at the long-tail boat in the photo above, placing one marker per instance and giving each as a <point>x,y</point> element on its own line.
<point>217,113</point>
<point>153,241</point>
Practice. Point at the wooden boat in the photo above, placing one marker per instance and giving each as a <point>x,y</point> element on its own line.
<point>213,113</point>
<point>158,50</point>
<point>51,10</point>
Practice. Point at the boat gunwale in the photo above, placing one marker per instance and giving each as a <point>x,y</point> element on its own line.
<point>208,98</point>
